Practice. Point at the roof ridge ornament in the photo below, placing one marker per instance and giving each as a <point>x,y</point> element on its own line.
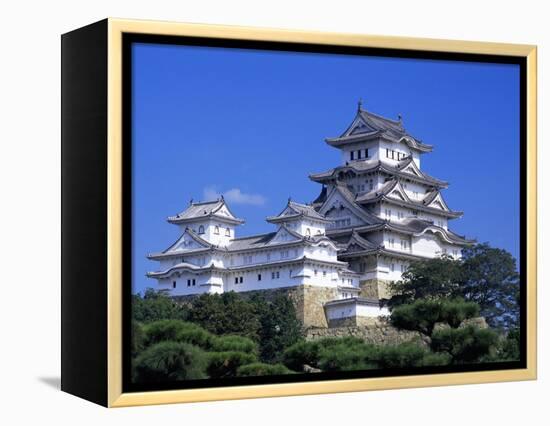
<point>359,104</point>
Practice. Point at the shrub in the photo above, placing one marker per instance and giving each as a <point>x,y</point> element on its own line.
<point>453,312</point>
<point>262,369</point>
<point>301,353</point>
<point>423,314</point>
<point>162,331</point>
<point>345,356</point>
<point>465,345</point>
<point>234,343</point>
<point>196,335</point>
<point>225,364</point>
<point>406,355</point>
<point>170,361</point>
<point>420,315</point>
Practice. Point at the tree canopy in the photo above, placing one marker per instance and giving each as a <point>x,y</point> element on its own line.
<point>486,276</point>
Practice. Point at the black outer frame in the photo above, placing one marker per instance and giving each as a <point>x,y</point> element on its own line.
<point>84,212</point>
<point>84,209</point>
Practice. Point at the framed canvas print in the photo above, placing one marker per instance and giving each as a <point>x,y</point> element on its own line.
<point>254,212</point>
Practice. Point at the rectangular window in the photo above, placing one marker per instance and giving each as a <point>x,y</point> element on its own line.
<point>359,154</point>
<point>194,281</point>
<point>188,283</point>
<point>366,153</point>
<point>173,284</point>
<point>236,280</point>
<point>351,155</point>
<point>259,277</point>
<point>387,153</point>
<point>392,267</point>
<point>240,280</point>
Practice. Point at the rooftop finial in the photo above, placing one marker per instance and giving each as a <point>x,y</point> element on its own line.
<point>359,104</point>
<point>399,117</point>
<point>190,201</point>
<point>221,198</point>
<point>289,198</point>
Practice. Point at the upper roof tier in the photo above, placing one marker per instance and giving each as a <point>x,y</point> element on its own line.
<point>405,168</point>
<point>367,125</point>
<point>217,209</point>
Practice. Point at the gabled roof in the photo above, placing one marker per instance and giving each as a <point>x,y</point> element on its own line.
<point>435,200</point>
<point>410,226</point>
<point>394,187</point>
<point>270,240</point>
<point>351,204</point>
<point>357,243</point>
<point>206,209</point>
<point>367,125</point>
<point>403,169</point>
<point>294,210</point>
<point>203,245</point>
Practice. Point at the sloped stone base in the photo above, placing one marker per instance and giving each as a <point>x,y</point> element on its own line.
<point>378,332</point>
<point>375,289</point>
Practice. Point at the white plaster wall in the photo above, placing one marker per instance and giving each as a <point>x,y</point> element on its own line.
<point>370,145</point>
<point>352,309</point>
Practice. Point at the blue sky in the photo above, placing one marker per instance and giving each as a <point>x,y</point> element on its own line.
<point>251,125</point>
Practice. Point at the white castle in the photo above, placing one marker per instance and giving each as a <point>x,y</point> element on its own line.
<point>376,212</point>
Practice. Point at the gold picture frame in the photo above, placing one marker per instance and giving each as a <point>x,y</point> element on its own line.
<point>115,29</point>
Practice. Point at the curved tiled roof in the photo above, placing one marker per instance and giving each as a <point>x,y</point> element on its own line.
<point>297,210</point>
<point>368,166</point>
<point>373,125</point>
<point>205,209</point>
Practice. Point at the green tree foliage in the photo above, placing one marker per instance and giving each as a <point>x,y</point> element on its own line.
<point>170,361</point>
<point>408,355</point>
<point>227,313</point>
<point>485,275</point>
<point>234,343</point>
<point>509,349</point>
<point>302,353</point>
<point>279,326</point>
<point>422,314</point>
<point>350,353</point>
<point>262,369</point>
<point>428,279</point>
<point>465,345</point>
<point>137,339</point>
<point>154,306</point>
<point>225,364</point>
<point>345,354</point>
<point>491,280</point>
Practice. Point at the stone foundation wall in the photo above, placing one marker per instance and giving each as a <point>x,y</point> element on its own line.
<point>378,332</point>
<point>353,322</point>
<point>375,289</point>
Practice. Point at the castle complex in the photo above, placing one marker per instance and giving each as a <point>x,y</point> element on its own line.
<point>376,212</point>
